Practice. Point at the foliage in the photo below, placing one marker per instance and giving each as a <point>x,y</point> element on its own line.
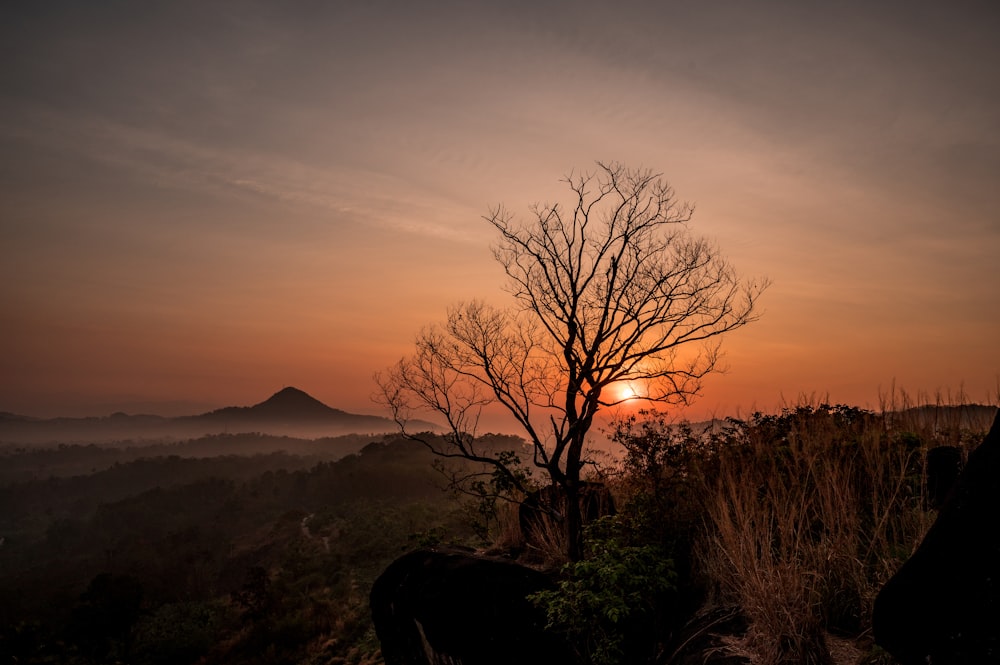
<point>180,632</point>
<point>257,559</point>
<point>608,601</point>
<point>797,517</point>
<point>664,466</point>
<point>40,462</point>
<point>491,490</point>
<point>102,622</point>
<point>810,513</point>
<point>661,494</point>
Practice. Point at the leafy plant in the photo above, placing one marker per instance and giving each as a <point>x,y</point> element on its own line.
<point>490,489</point>
<point>606,603</point>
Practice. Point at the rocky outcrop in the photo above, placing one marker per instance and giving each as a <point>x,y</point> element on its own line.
<point>435,607</point>
<point>944,464</point>
<point>943,605</point>
<point>543,510</point>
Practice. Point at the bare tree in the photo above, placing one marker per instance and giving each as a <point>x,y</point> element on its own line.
<point>610,288</point>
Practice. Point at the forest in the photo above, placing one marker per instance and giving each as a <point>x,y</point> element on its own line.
<point>260,549</point>
<point>150,554</point>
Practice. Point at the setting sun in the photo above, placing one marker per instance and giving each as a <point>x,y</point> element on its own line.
<point>626,391</point>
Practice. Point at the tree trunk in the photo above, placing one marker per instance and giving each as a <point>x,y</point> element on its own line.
<point>574,521</point>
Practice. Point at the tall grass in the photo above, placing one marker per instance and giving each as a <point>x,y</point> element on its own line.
<point>811,511</point>
<point>798,519</point>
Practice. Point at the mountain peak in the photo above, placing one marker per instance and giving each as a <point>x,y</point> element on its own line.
<point>290,393</point>
<point>292,402</point>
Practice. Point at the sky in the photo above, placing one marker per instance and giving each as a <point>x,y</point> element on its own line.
<point>204,202</point>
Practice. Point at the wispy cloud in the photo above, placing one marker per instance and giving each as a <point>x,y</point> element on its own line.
<point>343,190</point>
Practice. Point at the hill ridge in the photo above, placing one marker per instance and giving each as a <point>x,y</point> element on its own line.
<point>289,411</point>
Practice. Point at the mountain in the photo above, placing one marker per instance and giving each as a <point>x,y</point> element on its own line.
<point>289,412</point>
<point>289,404</point>
<point>292,411</point>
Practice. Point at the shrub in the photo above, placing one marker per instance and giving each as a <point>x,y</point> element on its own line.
<point>609,603</point>
<point>810,513</point>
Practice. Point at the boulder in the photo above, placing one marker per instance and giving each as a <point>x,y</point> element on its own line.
<point>433,607</point>
<point>543,510</point>
<point>944,464</point>
<point>943,605</point>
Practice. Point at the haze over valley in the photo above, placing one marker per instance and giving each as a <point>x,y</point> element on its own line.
<point>289,412</point>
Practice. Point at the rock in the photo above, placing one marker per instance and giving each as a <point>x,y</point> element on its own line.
<point>943,605</point>
<point>435,607</point>
<point>944,464</point>
<point>542,510</point>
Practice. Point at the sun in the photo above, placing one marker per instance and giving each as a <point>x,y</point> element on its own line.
<point>626,391</point>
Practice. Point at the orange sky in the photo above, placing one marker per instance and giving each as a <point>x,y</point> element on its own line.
<point>201,205</point>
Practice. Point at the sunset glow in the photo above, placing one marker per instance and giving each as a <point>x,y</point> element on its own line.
<point>287,194</point>
<point>625,391</point>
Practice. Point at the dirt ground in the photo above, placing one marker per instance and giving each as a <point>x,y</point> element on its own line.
<point>843,651</point>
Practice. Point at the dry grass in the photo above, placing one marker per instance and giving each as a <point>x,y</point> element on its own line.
<point>798,519</point>
<point>508,536</point>
<point>548,544</point>
<point>545,549</point>
<point>812,511</point>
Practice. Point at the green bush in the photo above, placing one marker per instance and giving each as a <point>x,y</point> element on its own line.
<point>608,604</point>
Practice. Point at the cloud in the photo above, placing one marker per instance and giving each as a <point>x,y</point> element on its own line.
<point>176,163</point>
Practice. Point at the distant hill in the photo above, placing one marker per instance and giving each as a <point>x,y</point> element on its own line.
<point>287,405</point>
<point>960,416</point>
<point>289,412</point>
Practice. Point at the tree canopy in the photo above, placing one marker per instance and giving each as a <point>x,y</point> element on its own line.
<point>610,287</point>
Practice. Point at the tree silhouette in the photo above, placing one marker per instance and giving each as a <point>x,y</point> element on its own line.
<point>103,619</point>
<point>610,288</point>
